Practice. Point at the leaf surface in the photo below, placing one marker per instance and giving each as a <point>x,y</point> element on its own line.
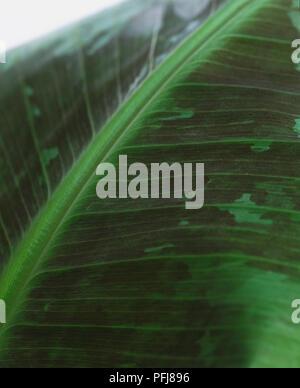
<point>146,283</point>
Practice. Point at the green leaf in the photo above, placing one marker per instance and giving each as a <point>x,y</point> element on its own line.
<point>147,283</point>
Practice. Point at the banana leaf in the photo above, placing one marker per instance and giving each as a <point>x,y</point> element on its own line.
<point>147,283</point>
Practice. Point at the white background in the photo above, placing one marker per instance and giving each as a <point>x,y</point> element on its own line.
<point>24,20</point>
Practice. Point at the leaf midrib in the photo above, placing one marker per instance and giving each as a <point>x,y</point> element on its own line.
<point>22,268</point>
